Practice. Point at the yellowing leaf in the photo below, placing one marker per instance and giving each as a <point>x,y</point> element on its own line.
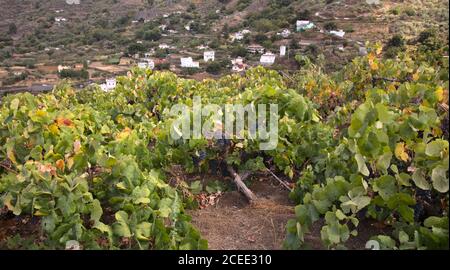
<point>439,94</point>
<point>373,66</point>
<point>54,129</point>
<point>391,87</point>
<point>400,152</point>
<point>40,213</point>
<point>60,164</point>
<point>64,122</point>
<point>415,76</point>
<point>41,113</point>
<point>379,49</point>
<point>47,168</point>
<point>123,134</point>
<point>77,146</point>
<point>11,156</point>
<point>70,162</point>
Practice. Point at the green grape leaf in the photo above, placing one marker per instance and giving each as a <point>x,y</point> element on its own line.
<point>362,167</point>
<point>440,179</point>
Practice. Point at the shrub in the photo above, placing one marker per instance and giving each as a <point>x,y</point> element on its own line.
<point>330,26</point>
<point>214,68</point>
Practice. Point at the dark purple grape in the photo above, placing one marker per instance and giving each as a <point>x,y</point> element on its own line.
<point>418,212</point>
<point>202,155</point>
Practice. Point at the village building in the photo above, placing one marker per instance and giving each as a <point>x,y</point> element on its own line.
<point>142,65</point>
<point>60,19</point>
<point>209,56</point>
<point>146,63</point>
<point>237,36</point>
<point>304,25</point>
<point>267,59</point>
<point>202,47</point>
<point>255,48</point>
<point>238,65</point>
<point>61,68</point>
<point>163,46</point>
<point>339,33</point>
<point>109,85</point>
<point>187,62</point>
<point>282,50</point>
<point>78,66</point>
<point>285,33</point>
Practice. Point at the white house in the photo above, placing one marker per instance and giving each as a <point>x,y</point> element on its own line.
<point>109,85</point>
<point>202,47</point>
<point>187,62</point>
<point>285,33</point>
<point>238,65</point>
<point>339,33</point>
<point>237,36</point>
<point>147,64</point>
<point>61,68</point>
<point>304,25</point>
<point>208,56</point>
<point>282,50</point>
<point>60,19</point>
<point>267,59</point>
<point>142,65</point>
<point>163,46</point>
<point>255,48</point>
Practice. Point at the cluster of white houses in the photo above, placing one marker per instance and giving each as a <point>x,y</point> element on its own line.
<point>188,62</point>
<point>146,62</point>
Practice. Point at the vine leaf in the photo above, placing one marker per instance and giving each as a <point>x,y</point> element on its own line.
<point>362,167</point>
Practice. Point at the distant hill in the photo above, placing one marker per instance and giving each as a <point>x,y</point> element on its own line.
<point>34,32</point>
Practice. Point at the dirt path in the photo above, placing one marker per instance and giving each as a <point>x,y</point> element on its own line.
<point>232,223</point>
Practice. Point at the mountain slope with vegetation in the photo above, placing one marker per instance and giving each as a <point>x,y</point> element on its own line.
<point>369,143</point>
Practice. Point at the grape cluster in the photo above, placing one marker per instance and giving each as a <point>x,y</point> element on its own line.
<point>422,197</point>
<point>196,159</point>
